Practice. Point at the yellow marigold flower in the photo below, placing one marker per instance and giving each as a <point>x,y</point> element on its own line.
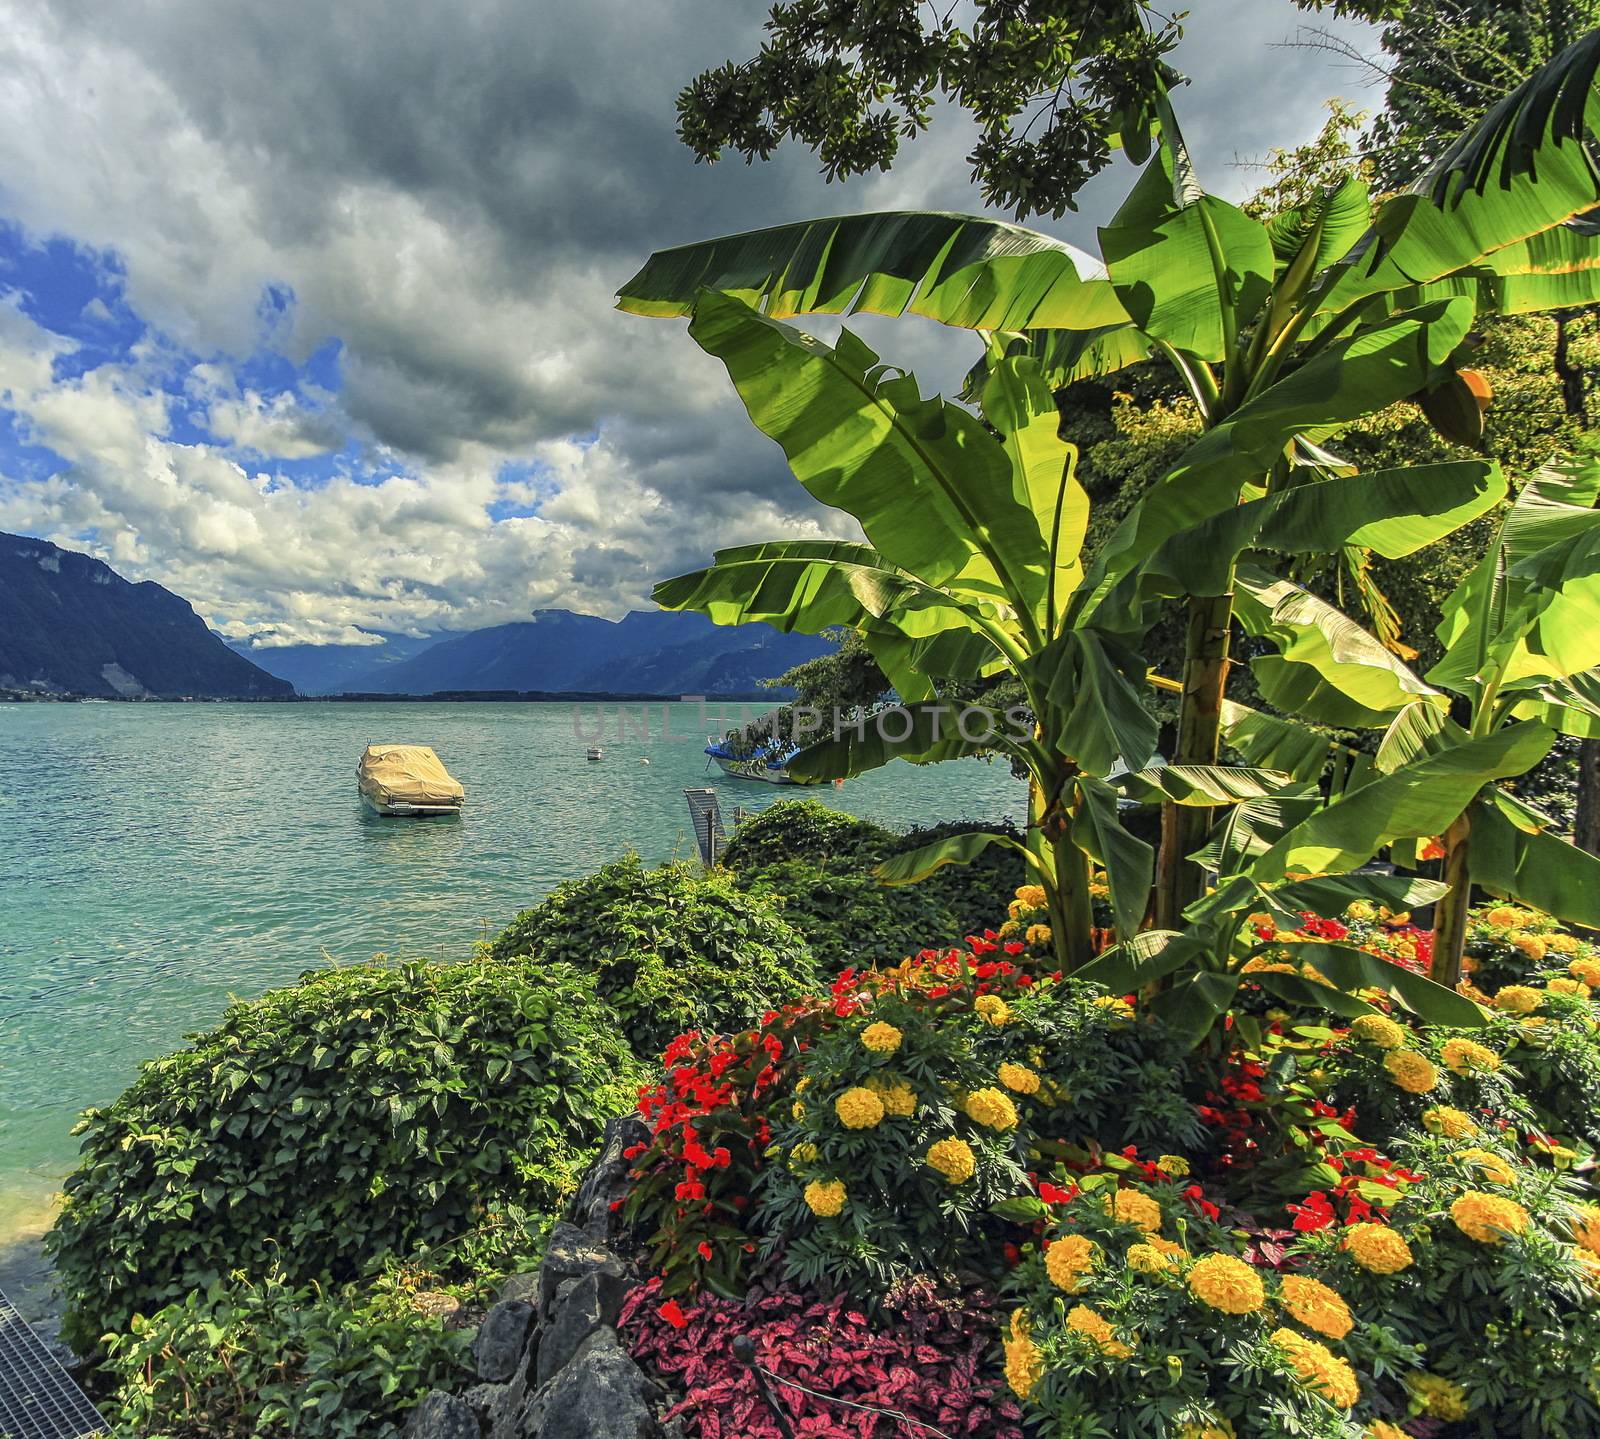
<point>1488,1218</point>
<point>1562,943</point>
<point>1448,1122</point>
<point>1318,1368</point>
<point>1462,1056</point>
<point>1166,1246</point>
<point>1083,1320</point>
<point>992,1108</point>
<point>1410,1070</point>
<point>1134,1207</point>
<point>1518,999</point>
<point>1262,921</point>
<point>825,1197</point>
<point>1441,1398</point>
<point>1024,1364</point>
<point>1018,1078</point>
<point>899,1098</point>
<point>803,1154</point>
<point>1568,986</point>
<point>1505,917</point>
<point>992,1009</point>
<point>1360,909</point>
<point>797,1110</point>
<point>881,1038</point>
<point>1148,1259</point>
<point>1016,909</point>
<point>1383,1429</point>
<point>1032,895</point>
<point>1471,991</point>
<point>1586,1227</point>
<point>954,1159</point>
<point>1378,1029</point>
<point>1589,1263</point>
<point>1069,1259</point>
<point>1318,1307</point>
<point>1174,1165</point>
<point>1227,1284</point>
<point>1585,970</point>
<point>1492,1166</point>
<point>1217,1429</point>
<point>1038,934</point>
<point>1009,928</point>
<point>859,1108</point>
<point>1377,1248</point>
<point>1530,944</point>
<point>1119,1007</point>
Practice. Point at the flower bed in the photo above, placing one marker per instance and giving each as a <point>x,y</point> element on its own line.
<point>1317,1226</point>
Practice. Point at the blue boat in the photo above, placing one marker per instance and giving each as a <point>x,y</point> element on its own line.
<point>767,762</point>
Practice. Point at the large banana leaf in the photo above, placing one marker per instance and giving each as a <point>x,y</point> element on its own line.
<point>958,269</point>
<point>1355,969</point>
<point>918,864</point>
<point>1347,380</point>
<point>1534,866</point>
<point>920,733</point>
<point>1159,254</point>
<point>1093,701</point>
<point>1420,799</point>
<point>1327,667</point>
<point>927,482</point>
<point>1393,512</point>
<point>1044,468</point>
<point>1129,862</point>
<point>1203,785</point>
<point>1519,172</point>
<point>1269,742</point>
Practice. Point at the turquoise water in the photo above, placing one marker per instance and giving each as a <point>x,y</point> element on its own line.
<point>156,860</point>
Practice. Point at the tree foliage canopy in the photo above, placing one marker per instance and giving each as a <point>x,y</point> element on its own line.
<point>1054,87</point>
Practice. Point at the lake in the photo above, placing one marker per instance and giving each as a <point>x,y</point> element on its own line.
<point>158,859</point>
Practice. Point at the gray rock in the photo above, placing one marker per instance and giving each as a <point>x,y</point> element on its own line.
<point>521,1286</point>
<point>601,1394</point>
<point>570,1253</point>
<point>582,1305</point>
<point>442,1416</point>
<point>607,1179</point>
<point>502,1340</point>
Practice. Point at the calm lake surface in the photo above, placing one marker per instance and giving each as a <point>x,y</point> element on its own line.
<point>156,860</point>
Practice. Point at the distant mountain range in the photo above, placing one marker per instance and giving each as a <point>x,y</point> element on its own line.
<point>646,652</point>
<point>72,625</point>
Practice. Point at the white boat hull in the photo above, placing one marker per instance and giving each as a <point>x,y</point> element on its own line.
<point>402,809</point>
<point>753,769</point>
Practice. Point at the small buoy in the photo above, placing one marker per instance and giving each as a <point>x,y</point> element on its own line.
<point>643,760</point>
<point>838,784</point>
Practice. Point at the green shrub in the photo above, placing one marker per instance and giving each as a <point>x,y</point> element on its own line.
<point>267,1359</point>
<point>362,1112</point>
<point>816,864</point>
<point>673,948</point>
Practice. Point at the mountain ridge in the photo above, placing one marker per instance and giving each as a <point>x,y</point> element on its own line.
<point>71,625</point>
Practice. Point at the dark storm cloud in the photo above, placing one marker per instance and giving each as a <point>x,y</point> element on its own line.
<point>454,192</point>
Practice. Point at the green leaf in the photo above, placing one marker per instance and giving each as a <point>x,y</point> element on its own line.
<point>1093,692</point>
<point>1331,894</point>
<point>1421,799</point>
<point>919,863</point>
<point>1204,785</point>
<point>1351,378</point>
<point>1536,867</point>
<point>920,733</point>
<point>928,484</point>
<point>1521,171</point>
<point>1129,862</point>
<point>1192,1007</point>
<point>1271,742</point>
<point>1141,960</point>
<point>1355,969</point>
<point>959,269</point>
<point>1328,667</point>
<point>1159,254</point>
<point>1299,990</point>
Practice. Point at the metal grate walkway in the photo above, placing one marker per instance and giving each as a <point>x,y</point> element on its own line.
<point>38,1399</point>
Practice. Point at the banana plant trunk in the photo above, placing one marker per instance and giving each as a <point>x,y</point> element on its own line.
<point>1450,914</point>
<point>1179,882</point>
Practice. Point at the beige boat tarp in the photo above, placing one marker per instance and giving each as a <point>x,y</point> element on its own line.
<point>407,774</point>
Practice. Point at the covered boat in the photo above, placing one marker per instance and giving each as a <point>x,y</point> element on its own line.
<point>407,779</point>
<point>767,762</point>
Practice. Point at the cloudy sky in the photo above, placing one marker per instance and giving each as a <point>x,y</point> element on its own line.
<point>306,308</point>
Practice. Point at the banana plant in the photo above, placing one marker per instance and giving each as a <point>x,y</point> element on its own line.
<point>1280,331</point>
<point>1521,638</point>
